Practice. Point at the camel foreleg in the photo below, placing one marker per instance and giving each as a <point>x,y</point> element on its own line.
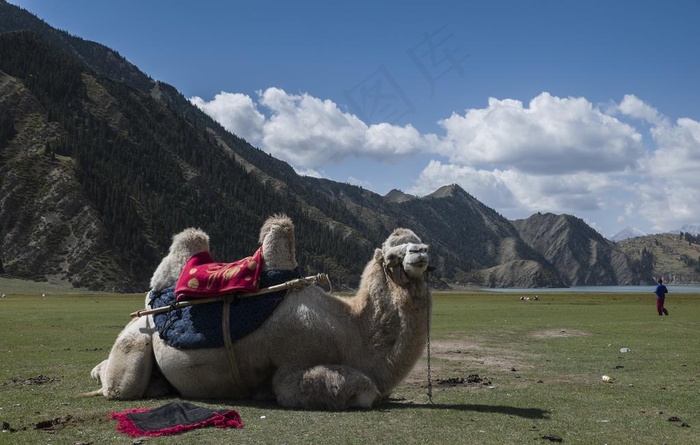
<point>329,387</point>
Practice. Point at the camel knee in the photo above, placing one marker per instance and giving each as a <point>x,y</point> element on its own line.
<point>329,387</point>
<point>96,372</point>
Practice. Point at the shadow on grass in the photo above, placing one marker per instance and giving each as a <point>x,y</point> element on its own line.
<point>528,413</point>
<point>397,404</point>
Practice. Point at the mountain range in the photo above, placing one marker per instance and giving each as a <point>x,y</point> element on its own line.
<point>627,233</point>
<point>633,232</point>
<point>100,166</point>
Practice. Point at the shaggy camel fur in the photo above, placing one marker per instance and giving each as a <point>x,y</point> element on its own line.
<point>316,351</point>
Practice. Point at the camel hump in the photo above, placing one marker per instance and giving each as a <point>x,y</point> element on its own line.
<point>276,222</point>
<point>278,243</point>
<point>190,242</point>
<point>185,244</point>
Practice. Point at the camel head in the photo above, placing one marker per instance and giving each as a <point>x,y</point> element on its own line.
<point>278,243</point>
<point>404,256</point>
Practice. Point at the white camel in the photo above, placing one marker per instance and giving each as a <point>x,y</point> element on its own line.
<point>316,351</point>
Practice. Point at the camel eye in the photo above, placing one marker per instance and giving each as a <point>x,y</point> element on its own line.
<point>417,249</point>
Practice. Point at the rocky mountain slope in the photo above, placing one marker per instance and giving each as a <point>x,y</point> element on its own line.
<point>581,255</point>
<point>671,256</point>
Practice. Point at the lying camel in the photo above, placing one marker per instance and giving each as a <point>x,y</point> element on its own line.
<point>316,350</point>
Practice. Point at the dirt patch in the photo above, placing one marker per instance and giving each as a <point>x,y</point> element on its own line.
<point>6,428</point>
<point>464,363</point>
<point>470,380</point>
<point>29,381</point>
<point>54,424</point>
<point>50,426</point>
<point>480,356</point>
<point>559,333</point>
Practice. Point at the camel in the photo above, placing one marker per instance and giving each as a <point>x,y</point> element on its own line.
<point>316,350</point>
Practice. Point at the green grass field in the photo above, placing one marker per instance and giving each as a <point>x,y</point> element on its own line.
<point>535,370</point>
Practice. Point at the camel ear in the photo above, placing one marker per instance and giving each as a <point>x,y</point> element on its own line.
<point>378,255</point>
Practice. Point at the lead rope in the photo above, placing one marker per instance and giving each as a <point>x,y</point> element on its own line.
<point>430,380</point>
<point>430,313</point>
<point>228,345</point>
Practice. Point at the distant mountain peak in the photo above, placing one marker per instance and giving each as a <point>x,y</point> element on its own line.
<point>447,191</point>
<point>693,229</point>
<point>398,196</point>
<point>626,233</point>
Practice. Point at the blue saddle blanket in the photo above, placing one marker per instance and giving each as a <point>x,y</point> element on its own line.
<point>199,326</point>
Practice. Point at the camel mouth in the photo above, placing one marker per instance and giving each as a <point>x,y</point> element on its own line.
<point>416,258</point>
<point>416,268</point>
<point>420,264</point>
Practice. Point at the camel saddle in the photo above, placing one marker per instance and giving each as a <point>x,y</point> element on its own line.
<point>203,278</point>
<point>200,326</point>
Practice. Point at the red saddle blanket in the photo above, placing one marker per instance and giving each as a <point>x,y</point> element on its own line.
<point>173,418</point>
<point>202,277</point>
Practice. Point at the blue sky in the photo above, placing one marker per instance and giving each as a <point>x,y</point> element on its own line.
<point>582,107</point>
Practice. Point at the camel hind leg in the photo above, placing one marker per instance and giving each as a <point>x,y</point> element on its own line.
<point>328,387</point>
<point>126,374</point>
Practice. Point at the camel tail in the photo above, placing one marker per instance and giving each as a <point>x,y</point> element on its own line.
<point>95,393</point>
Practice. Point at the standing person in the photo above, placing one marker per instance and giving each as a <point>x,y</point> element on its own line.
<point>661,292</point>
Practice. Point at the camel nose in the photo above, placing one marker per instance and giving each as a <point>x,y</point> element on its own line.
<point>420,262</point>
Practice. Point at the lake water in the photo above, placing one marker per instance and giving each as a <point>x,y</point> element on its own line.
<point>679,289</point>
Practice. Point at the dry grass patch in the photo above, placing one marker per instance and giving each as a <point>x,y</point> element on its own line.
<point>559,333</point>
<point>468,363</point>
<point>479,356</point>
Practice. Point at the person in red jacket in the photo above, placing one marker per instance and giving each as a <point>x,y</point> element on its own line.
<point>661,292</point>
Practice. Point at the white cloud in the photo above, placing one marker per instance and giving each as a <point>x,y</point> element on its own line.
<point>551,136</point>
<point>308,172</point>
<point>668,205</point>
<point>309,132</point>
<point>517,194</point>
<point>359,182</point>
<point>486,186</point>
<point>634,107</point>
<point>568,193</point>
<point>678,149</point>
<point>235,112</point>
<point>669,195</point>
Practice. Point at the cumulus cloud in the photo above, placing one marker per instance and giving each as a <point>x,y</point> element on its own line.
<point>552,135</point>
<point>672,187</point>
<point>235,112</point>
<point>486,186</point>
<point>309,132</point>
<point>678,148</point>
<point>634,107</point>
<point>515,192</point>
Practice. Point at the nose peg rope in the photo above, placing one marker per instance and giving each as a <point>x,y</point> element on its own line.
<point>430,312</point>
